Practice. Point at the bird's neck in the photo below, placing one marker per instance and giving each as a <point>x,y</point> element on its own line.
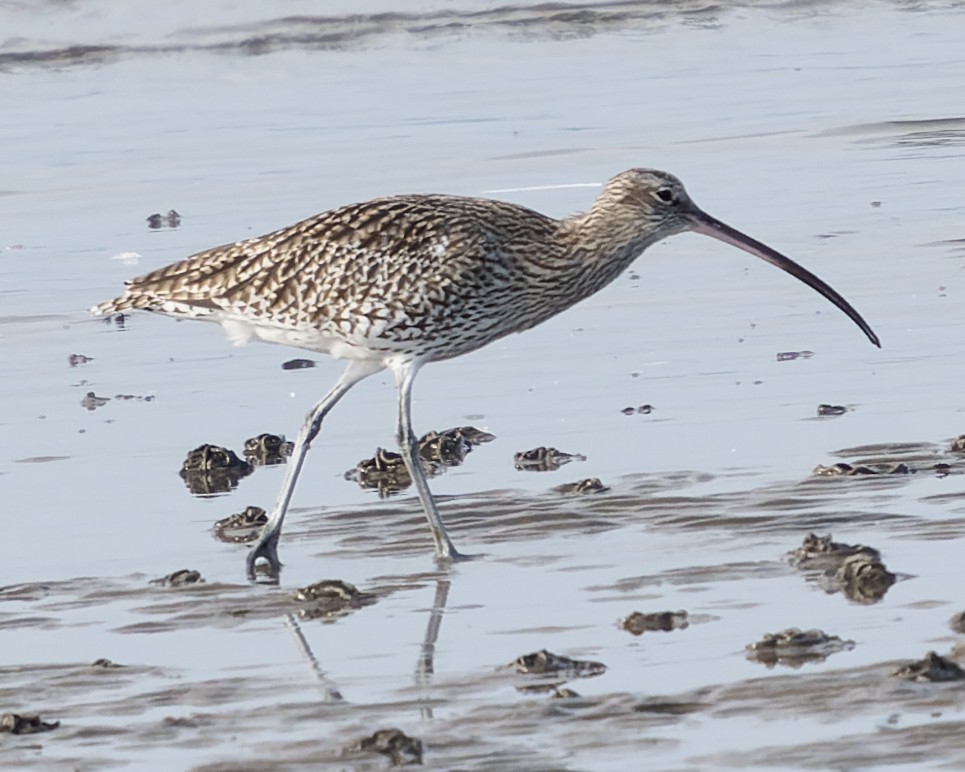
<point>601,246</point>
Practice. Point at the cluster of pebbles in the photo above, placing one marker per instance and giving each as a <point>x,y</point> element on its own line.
<point>330,599</point>
<point>552,671</point>
<point>212,469</point>
<point>844,469</point>
<point>794,647</point>
<point>14,723</point>
<point>242,527</point>
<point>639,623</point>
<point>393,743</point>
<point>156,220</point>
<point>386,471</point>
<point>91,401</point>
<point>854,570</point>
<point>884,467</point>
<point>543,459</point>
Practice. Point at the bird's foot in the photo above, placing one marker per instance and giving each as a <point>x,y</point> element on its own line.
<point>452,555</point>
<point>265,550</point>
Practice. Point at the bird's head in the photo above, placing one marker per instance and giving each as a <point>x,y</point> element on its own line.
<point>655,200</point>
<point>656,205</point>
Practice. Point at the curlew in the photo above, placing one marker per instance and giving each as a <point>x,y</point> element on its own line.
<point>400,281</point>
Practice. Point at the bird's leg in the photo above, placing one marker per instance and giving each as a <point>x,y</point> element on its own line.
<point>409,445</point>
<point>267,546</point>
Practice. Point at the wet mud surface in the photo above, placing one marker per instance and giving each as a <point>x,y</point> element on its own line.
<point>591,684</point>
<point>754,560</point>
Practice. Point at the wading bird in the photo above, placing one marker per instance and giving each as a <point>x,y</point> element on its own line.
<point>401,281</point>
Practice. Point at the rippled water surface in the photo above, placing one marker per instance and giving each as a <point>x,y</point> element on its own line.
<point>832,131</point>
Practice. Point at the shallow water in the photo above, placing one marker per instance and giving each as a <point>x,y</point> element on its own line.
<point>831,131</point>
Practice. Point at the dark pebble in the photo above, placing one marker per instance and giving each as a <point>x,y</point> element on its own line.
<point>298,364</point>
<point>832,409</point>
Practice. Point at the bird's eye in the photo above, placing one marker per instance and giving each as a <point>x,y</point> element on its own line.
<point>665,195</point>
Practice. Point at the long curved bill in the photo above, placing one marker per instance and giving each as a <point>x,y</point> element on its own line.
<point>710,226</point>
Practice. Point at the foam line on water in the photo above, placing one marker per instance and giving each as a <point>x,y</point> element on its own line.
<point>545,187</point>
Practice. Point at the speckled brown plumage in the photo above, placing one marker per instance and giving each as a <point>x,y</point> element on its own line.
<point>423,275</point>
<point>401,281</point>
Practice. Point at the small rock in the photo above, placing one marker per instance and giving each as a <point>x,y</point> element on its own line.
<point>589,485</point>
<point>17,724</point>
<point>821,552</point>
<point>842,469</point>
<point>449,448</point>
<point>861,578</point>
<point>386,470</point>
<point>471,434</point>
<point>135,397</point>
<point>298,364</point>
<point>544,459</point>
<point>544,662</point>
<point>932,668</point>
<point>957,622</point>
<point>555,690</point>
<point>328,588</point>
<point>78,359</point>
<point>332,598</point>
<point>794,647</point>
<point>155,221</point>
<point>787,356</point>
<point>182,578</point>
<point>847,470</point>
<point>91,401</point>
<point>241,527</point>
<point>665,621</point>
<point>267,449</point>
<point>563,693</point>
<point>826,410</point>
<point>641,410</point>
<point>210,469</point>
<point>205,458</point>
<point>394,743</point>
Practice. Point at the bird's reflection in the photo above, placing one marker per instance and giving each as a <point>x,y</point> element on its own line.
<point>425,667</point>
<point>329,690</point>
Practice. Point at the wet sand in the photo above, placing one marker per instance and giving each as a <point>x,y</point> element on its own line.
<point>831,131</point>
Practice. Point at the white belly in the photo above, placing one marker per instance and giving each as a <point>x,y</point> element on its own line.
<point>241,332</point>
